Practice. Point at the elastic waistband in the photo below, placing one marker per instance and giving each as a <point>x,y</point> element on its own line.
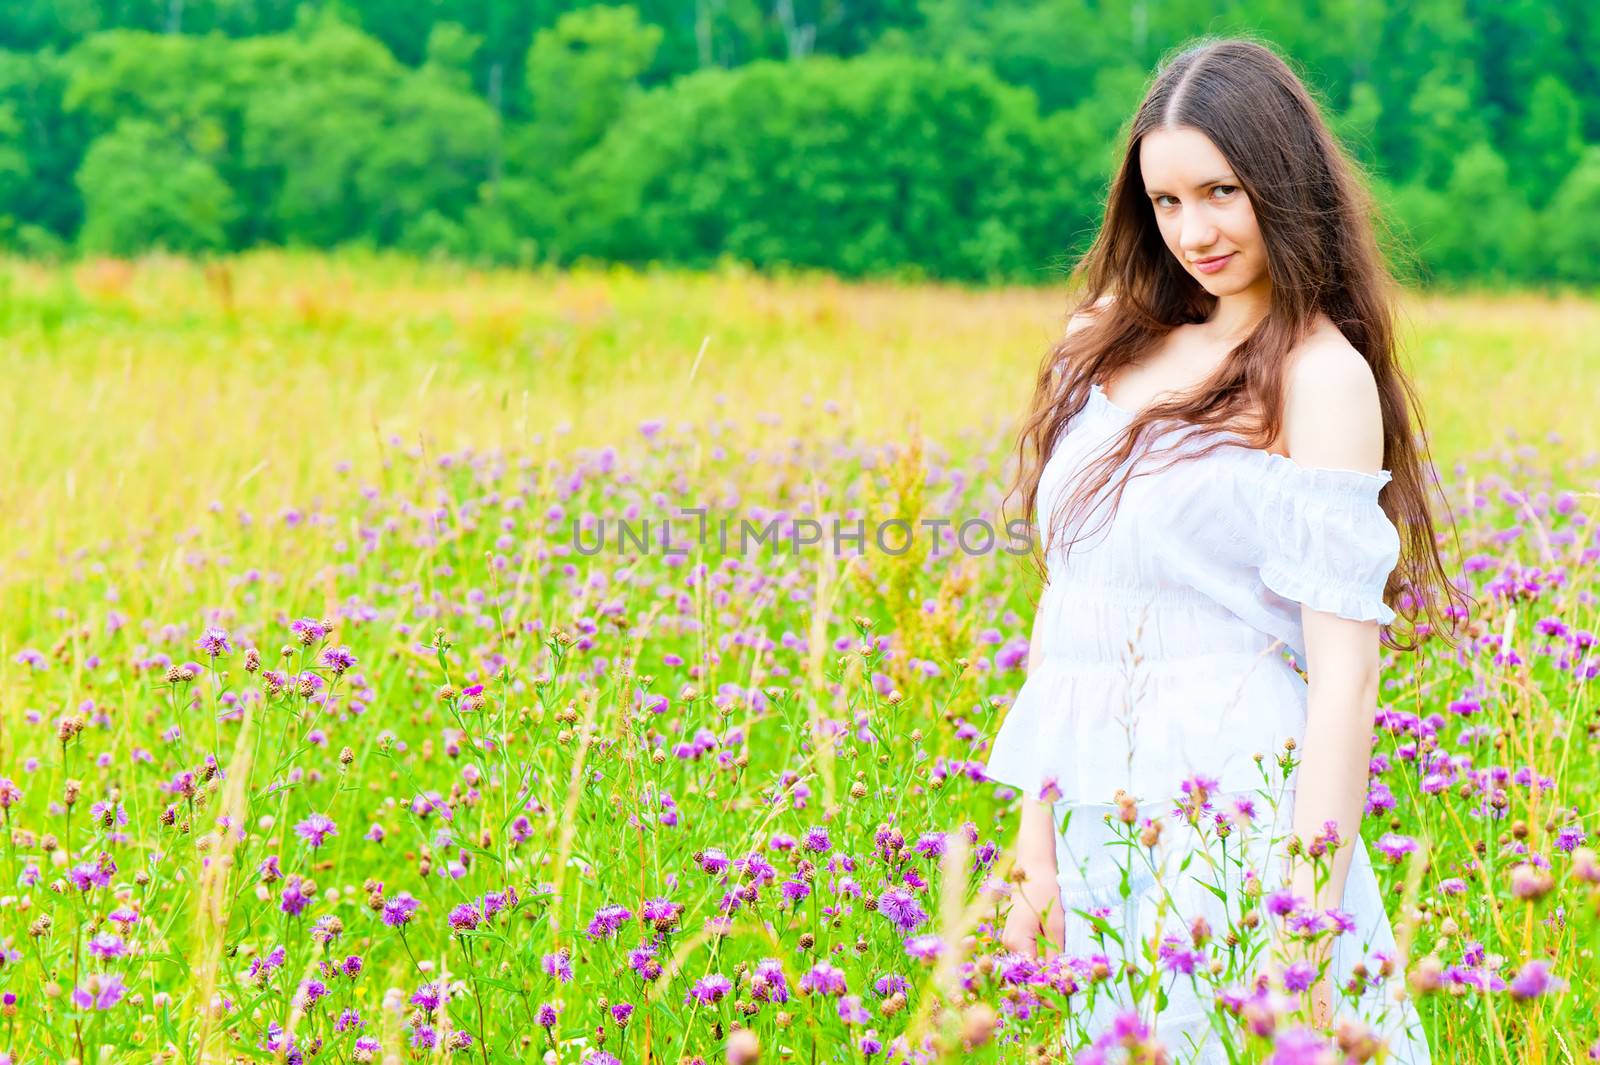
<point>1211,661</point>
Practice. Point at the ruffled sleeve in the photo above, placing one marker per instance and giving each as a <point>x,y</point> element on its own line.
<point>1327,543</point>
<point>1264,535</point>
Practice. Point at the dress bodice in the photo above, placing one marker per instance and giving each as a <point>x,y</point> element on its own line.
<point>1162,631</point>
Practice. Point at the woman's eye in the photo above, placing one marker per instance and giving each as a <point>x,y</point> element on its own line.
<point>1226,190</point>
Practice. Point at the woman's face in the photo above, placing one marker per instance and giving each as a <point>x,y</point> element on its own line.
<point>1202,211</point>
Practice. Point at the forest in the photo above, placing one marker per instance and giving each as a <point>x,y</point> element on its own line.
<point>961,140</point>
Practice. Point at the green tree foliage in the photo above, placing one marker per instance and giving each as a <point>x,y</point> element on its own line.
<point>40,148</point>
<point>580,74</point>
<point>143,187</point>
<point>357,145</point>
<point>1573,222</point>
<point>854,166</point>
<point>1549,140</point>
<point>966,139</point>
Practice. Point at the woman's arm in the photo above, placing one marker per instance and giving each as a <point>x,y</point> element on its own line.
<point>1333,420</point>
<point>1036,901</point>
<point>1036,839</point>
<point>1331,782</point>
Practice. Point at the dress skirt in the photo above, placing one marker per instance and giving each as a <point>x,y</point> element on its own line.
<point>1090,857</point>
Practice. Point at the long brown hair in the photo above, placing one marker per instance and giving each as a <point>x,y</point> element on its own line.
<point>1316,217</point>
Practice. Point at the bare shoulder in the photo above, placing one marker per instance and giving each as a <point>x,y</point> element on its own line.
<point>1333,416</point>
<point>1084,317</point>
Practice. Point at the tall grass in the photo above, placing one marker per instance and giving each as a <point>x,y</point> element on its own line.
<point>601,779</point>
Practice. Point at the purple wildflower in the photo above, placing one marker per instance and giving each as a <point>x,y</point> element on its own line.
<point>558,965</point>
<point>1394,847</point>
<point>1283,902</point>
<point>823,979</point>
<point>399,910</point>
<point>429,997</point>
<point>709,989</point>
<point>1298,1046</point>
<point>816,840</point>
<point>100,992</point>
<point>606,921</point>
<point>214,642</point>
<point>851,1011</point>
<point>903,909</point>
<point>1533,980</point>
<point>338,659</point>
<point>297,895</point>
<point>768,983</point>
<point>316,829</point>
<point>1299,976</point>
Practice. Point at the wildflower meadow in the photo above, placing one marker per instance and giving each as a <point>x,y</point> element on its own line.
<point>338,723</point>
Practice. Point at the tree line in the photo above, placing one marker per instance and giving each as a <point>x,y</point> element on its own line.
<point>953,139</point>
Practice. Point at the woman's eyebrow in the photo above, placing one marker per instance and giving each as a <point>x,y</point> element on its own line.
<point>1225,179</point>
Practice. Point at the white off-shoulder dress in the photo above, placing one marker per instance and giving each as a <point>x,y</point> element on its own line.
<point>1162,636</point>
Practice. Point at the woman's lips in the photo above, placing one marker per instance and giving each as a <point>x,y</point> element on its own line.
<point>1211,266</point>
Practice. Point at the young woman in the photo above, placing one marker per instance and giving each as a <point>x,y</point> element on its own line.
<point>1231,367</point>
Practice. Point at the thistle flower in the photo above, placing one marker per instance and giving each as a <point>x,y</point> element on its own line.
<point>1530,882</point>
<point>1570,837</point>
<point>398,911</point>
<point>768,983</point>
<point>100,992</point>
<point>1298,1046</point>
<point>214,642</point>
<point>851,1011</point>
<point>1394,847</point>
<point>558,965</point>
<point>308,630</point>
<point>709,989</point>
<point>429,996</point>
<point>1126,1032</point>
<point>823,979</point>
<point>903,909</point>
<point>1534,979</point>
<point>316,829</point>
<point>1299,976</point>
<point>890,984</point>
<point>108,945</point>
<point>607,919</point>
<point>298,893</point>
<point>642,960</point>
<point>1283,902</point>
<point>327,928</point>
<point>338,660</point>
<point>662,914</point>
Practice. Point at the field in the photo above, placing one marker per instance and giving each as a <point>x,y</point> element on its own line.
<point>321,738</point>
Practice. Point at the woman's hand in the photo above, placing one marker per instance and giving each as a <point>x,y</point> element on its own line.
<point>1027,916</point>
<point>1322,1001</point>
<point>1321,991</point>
